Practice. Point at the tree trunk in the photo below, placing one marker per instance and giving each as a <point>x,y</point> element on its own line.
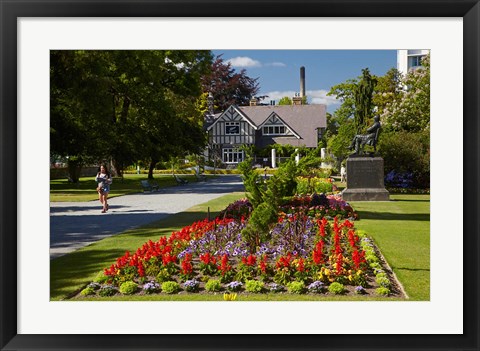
<point>151,168</point>
<point>74,169</point>
<point>116,168</point>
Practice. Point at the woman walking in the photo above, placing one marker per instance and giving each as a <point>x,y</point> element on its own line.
<point>103,180</point>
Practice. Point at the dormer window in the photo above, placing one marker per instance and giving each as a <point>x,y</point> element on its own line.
<point>232,128</point>
<point>274,130</point>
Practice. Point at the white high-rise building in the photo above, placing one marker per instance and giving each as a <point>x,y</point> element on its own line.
<point>410,59</point>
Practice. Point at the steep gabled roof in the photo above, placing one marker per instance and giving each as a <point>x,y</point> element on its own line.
<point>303,119</point>
<point>274,115</point>
<point>240,112</point>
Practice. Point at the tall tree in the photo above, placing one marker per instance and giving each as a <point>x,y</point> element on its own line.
<point>228,86</point>
<point>363,94</point>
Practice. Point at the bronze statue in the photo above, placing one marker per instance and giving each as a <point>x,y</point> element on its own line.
<point>360,140</point>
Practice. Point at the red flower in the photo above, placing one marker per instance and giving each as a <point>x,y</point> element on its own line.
<point>251,260</point>
<point>318,253</point>
<point>224,267</point>
<point>187,267</point>
<point>301,265</point>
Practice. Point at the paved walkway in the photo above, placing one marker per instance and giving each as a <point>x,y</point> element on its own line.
<point>77,224</point>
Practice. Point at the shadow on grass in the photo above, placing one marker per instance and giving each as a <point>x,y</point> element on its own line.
<point>408,200</point>
<point>394,216</point>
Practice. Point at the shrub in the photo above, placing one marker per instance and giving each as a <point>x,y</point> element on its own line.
<point>296,287</point>
<point>87,291</point>
<point>128,288</point>
<point>164,275</point>
<point>170,287</point>
<point>213,285</point>
<point>191,285</point>
<point>383,282</point>
<point>100,278</point>
<point>336,288</point>
<point>107,290</point>
<point>408,156</point>
<point>313,185</point>
<point>254,286</point>
<point>383,291</point>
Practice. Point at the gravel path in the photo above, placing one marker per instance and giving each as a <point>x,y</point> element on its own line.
<point>77,224</point>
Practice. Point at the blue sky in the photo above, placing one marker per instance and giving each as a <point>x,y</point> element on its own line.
<point>279,70</point>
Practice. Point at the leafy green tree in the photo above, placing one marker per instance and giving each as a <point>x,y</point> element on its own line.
<point>363,94</point>
<point>285,101</point>
<point>338,143</point>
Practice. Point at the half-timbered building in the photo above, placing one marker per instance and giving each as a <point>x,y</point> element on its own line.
<point>296,125</point>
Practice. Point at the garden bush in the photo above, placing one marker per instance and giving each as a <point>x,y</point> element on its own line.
<point>296,287</point>
<point>170,287</point>
<point>88,291</point>
<point>254,286</point>
<point>107,290</point>
<point>213,285</point>
<point>336,288</point>
<point>406,159</point>
<point>382,291</point>
<point>128,288</point>
<point>311,185</point>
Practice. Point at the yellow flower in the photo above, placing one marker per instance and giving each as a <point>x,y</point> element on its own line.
<point>229,297</point>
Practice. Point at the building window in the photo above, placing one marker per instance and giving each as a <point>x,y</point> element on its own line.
<point>414,61</point>
<point>274,130</point>
<point>232,155</point>
<point>232,128</point>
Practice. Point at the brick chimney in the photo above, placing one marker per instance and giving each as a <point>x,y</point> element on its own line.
<point>253,101</point>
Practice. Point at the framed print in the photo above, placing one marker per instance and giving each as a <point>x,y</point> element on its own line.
<point>31,30</point>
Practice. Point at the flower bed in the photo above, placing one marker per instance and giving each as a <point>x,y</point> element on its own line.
<point>305,253</point>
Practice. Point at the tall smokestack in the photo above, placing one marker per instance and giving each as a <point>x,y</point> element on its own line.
<point>302,81</point>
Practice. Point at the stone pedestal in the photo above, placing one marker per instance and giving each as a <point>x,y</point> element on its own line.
<point>365,180</point>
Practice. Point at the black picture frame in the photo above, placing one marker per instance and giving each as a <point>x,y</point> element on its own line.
<point>11,10</point>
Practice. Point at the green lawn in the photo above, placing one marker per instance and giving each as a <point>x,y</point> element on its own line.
<point>62,190</point>
<point>401,229</point>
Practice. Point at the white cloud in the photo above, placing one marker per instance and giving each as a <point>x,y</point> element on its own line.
<point>320,97</point>
<point>243,61</point>
<point>276,64</point>
<point>248,62</point>
<point>314,96</point>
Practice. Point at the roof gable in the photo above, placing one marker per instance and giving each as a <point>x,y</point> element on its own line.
<point>275,119</point>
<point>232,114</point>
